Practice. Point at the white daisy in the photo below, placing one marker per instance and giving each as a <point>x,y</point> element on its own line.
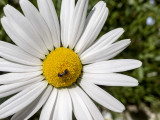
<point>59,66</point>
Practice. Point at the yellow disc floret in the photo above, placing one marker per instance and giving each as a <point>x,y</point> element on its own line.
<point>62,67</point>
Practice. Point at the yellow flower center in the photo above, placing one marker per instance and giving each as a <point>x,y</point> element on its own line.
<point>62,67</point>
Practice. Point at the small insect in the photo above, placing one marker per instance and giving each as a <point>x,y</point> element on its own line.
<point>62,74</point>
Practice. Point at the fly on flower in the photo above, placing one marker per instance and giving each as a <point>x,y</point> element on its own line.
<point>57,66</point>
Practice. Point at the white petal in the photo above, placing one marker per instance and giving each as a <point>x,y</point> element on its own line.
<point>105,53</point>
<point>112,79</point>
<point>67,10</point>
<point>63,108</point>
<point>30,110</point>
<point>49,14</point>
<point>47,110</point>
<point>94,25</point>
<point>9,78</point>
<point>17,39</point>
<point>8,66</point>
<point>88,102</point>
<point>19,94</point>
<point>78,22</point>
<point>21,100</point>
<point>80,110</point>
<point>38,22</point>
<point>25,29</point>
<point>10,87</point>
<point>102,97</point>
<point>110,66</point>
<point>105,40</point>
<point>16,54</point>
<point>16,90</point>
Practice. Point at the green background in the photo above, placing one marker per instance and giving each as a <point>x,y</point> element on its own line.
<point>145,46</point>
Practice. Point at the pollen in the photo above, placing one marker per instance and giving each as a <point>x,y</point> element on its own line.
<point>62,67</point>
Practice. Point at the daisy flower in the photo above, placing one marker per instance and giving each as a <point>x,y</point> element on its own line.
<point>58,67</point>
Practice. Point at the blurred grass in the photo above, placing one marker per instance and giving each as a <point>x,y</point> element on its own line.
<point>145,46</point>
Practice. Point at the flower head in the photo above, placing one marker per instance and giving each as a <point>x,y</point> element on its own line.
<point>58,66</point>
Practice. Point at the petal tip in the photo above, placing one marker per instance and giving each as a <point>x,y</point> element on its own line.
<point>121,109</point>
<point>121,29</point>
<point>128,41</point>
<point>138,63</point>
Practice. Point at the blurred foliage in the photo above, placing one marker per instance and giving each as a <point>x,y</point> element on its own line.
<point>145,46</point>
